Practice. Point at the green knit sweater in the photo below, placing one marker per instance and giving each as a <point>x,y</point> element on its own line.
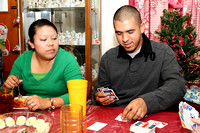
<point>54,84</point>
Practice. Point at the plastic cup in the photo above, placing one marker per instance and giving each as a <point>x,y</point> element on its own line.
<point>71,118</point>
<point>77,89</point>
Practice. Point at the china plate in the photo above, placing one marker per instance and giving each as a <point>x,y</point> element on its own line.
<point>18,104</point>
<point>21,108</point>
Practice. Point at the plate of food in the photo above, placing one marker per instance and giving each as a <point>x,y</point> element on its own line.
<point>18,103</point>
<point>25,122</point>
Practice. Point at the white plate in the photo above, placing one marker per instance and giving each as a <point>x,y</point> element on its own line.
<point>20,108</point>
<point>23,107</point>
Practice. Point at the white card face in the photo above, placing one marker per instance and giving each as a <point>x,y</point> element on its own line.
<point>142,127</point>
<point>158,124</point>
<point>97,126</point>
<point>119,118</point>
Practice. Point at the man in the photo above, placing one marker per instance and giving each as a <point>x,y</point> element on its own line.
<point>144,74</point>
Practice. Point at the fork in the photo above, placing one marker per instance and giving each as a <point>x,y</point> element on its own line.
<point>19,94</point>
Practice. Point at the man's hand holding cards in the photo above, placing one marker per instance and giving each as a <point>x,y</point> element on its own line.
<point>109,92</point>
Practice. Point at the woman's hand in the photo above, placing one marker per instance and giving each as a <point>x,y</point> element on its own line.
<point>11,82</point>
<point>197,121</point>
<point>35,102</point>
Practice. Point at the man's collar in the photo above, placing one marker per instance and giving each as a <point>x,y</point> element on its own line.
<point>146,49</point>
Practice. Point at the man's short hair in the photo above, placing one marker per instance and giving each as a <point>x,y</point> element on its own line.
<point>126,12</point>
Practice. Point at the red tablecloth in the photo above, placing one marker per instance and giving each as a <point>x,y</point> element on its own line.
<point>108,114</point>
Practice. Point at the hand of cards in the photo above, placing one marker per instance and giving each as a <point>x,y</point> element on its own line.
<point>186,112</point>
<point>108,91</point>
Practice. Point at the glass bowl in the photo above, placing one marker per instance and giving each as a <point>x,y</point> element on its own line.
<point>29,122</point>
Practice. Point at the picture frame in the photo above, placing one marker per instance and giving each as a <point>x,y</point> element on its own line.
<point>4,6</point>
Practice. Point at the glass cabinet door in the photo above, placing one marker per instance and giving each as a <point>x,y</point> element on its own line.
<point>96,39</point>
<point>69,18</point>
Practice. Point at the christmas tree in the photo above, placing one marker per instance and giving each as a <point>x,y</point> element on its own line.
<point>178,32</point>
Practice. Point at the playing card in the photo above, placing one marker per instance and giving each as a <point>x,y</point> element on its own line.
<point>119,118</point>
<point>193,112</point>
<point>105,89</point>
<point>157,123</point>
<point>111,93</point>
<point>100,89</point>
<point>142,127</point>
<point>97,126</point>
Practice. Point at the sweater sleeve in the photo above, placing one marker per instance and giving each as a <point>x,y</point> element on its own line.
<point>65,97</point>
<point>16,68</point>
<point>172,89</point>
<point>103,78</point>
<point>72,71</point>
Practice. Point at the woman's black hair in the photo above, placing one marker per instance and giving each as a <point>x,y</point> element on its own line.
<point>39,23</point>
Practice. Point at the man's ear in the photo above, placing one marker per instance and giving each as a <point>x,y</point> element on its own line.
<point>142,27</point>
<point>31,44</point>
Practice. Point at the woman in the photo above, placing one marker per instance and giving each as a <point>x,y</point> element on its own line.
<point>45,70</point>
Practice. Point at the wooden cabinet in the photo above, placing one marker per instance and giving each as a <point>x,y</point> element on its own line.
<point>78,26</point>
<point>9,35</point>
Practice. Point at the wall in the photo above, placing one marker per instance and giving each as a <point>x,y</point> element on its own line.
<point>108,8</point>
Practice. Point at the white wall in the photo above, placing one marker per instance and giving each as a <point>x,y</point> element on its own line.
<point>108,8</point>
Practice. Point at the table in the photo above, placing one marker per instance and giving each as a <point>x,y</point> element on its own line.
<point>108,114</point>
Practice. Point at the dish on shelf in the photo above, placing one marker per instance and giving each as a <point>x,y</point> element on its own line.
<point>18,103</point>
<point>29,122</point>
